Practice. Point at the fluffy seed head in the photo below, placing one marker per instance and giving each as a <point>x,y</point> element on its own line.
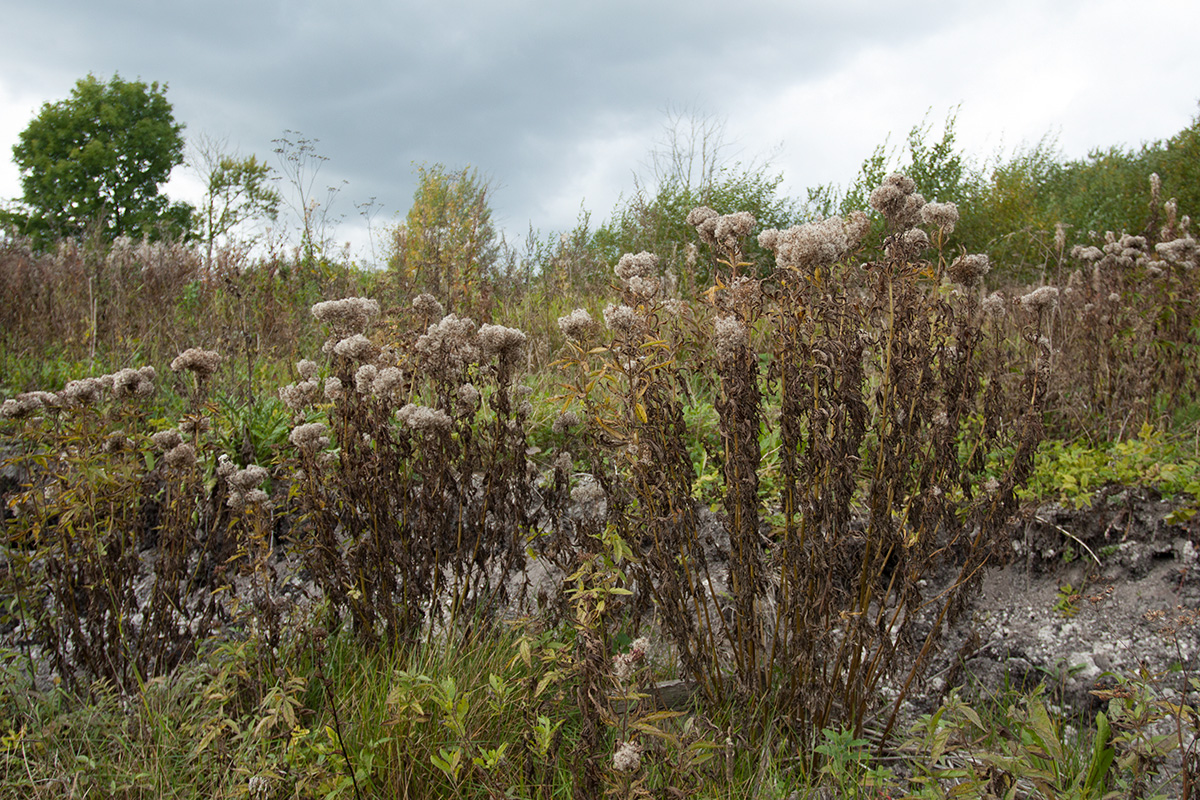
<point>968,270</point>
<point>201,362</point>
<point>943,216</point>
<point>428,306</point>
<point>639,265</point>
<point>347,316</point>
<point>424,418</point>
<point>577,325</point>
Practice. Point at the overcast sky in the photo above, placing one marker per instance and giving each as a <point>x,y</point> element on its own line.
<point>559,102</point>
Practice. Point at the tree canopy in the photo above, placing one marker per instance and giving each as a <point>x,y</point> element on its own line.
<point>447,243</point>
<point>97,161</point>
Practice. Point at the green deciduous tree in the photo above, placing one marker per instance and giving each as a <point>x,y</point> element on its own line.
<point>237,190</point>
<point>447,244</point>
<point>98,160</point>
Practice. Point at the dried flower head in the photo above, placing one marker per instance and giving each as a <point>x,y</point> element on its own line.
<point>994,305</point>
<point>731,338</point>
<point>83,392</point>
<point>308,370</point>
<point>334,390</point>
<point>564,422</point>
<point>621,319</point>
<point>388,381</point>
<point>27,404</point>
<point>347,316</point>
<point>182,456</point>
<point>502,341</point>
<point>243,480</point>
<point>815,244</point>
<point>424,418</point>
<point>469,395</point>
<point>577,325</point>
<point>428,306</point>
<point>731,228</point>
<point>309,437</point>
<point>168,439</point>
<point>639,265</point>
<point>627,757</point>
<point>364,379</point>
<point>1183,251</point>
<point>202,362</point>
<point>897,199</point>
<point>1088,254</point>
<point>1043,298</point>
<point>131,383</point>
<point>451,341</point>
<point>704,220</point>
<point>356,347</point>
<point>297,396</point>
<point>943,216</point>
<point>968,270</point>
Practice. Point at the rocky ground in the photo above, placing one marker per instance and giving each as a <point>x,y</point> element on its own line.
<point>1089,594</point>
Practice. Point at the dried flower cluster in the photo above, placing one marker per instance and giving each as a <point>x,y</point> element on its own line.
<point>27,404</point>
<point>721,230</point>
<point>497,340</point>
<point>943,216</point>
<point>347,316</point>
<point>731,339</point>
<point>428,306</point>
<point>621,319</point>
<point>1044,298</point>
<point>450,343</point>
<point>897,199</point>
<point>201,362</point>
<point>356,347</point>
<point>577,325</point>
<point>625,664</point>
<point>131,383</point>
<point>627,757</point>
<point>243,487</point>
<point>424,418</point>
<point>309,437</point>
<point>969,269</point>
<point>815,244</point>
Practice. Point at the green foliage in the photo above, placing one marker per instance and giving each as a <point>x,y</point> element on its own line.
<point>1073,471</point>
<point>238,189</point>
<point>448,244</point>
<point>656,222</point>
<point>97,161</point>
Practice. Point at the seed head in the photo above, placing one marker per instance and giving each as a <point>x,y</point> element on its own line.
<point>943,216</point>
<point>627,757</point>
<point>897,200</point>
<point>502,341</point>
<point>968,270</point>
<point>1043,298</point>
<point>181,456</point>
<point>621,319</point>
<point>347,316</point>
<point>356,347</point>
<point>428,306</point>
<point>577,325</point>
<point>364,379</point>
<point>640,265</point>
<point>424,418</point>
<point>309,437</point>
<point>308,369</point>
<point>731,339</point>
<point>202,362</point>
